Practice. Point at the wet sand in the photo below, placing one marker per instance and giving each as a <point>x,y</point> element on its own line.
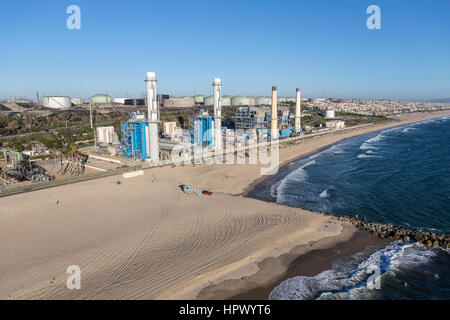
<point>306,260</point>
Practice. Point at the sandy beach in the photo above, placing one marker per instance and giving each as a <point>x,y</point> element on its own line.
<point>142,238</point>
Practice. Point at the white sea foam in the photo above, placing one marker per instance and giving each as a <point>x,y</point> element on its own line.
<point>348,278</point>
<point>324,194</point>
<point>298,175</point>
<point>364,156</point>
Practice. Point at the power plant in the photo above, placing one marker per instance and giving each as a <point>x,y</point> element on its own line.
<point>140,138</point>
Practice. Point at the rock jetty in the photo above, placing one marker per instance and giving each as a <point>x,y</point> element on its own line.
<point>390,232</point>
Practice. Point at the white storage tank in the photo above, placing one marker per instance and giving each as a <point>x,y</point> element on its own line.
<point>329,114</point>
<point>119,100</point>
<point>199,99</point>
<point>77,101</point>
<point>239,101</point>
<point>251,101</point>
<point>209,101</point>
<point>226,101</point>
<point>101,99</point>
<point>291,100</point>
<point>263,101</point>
<point>57,102</point>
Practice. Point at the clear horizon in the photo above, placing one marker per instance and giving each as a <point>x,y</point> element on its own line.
<point>323,47</point>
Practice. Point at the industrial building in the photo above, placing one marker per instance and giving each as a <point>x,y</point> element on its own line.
<point>329,114</point>
<point>105,135</point>
<point>335,124</point>
<point>169,129</point>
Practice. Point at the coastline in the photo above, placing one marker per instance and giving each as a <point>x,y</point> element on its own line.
<point>143,238</point>
<point>304,261</point>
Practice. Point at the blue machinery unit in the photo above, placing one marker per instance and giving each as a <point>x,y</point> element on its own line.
<point>201,129</point>
<point>135,137</point>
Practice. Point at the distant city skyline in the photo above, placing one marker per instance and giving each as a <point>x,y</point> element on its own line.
<point>322,47</point>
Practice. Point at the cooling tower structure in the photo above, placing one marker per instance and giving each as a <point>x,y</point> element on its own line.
<point>153,116</point>
<point>274,115</point>
<point>298,111</point>
<point>217,87</point>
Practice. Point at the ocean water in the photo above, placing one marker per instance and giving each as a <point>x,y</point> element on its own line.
<point>399,176</point>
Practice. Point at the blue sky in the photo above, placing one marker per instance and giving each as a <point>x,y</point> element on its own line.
<point>323,47</point>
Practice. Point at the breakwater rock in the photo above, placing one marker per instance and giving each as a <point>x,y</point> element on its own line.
<point>390,232</point>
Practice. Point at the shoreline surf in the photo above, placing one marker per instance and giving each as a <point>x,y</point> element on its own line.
<point>258,189</point>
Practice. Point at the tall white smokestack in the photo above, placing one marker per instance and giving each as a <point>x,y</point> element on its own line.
<point>217,85</point>
<point>298,111</point>
<point>153,116</point>
<point>274,118</point>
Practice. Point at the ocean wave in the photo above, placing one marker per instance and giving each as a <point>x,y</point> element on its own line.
<point>335,149</point>
<point>298,175</point>
<point>369,144</point>
<point>358,276</point>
